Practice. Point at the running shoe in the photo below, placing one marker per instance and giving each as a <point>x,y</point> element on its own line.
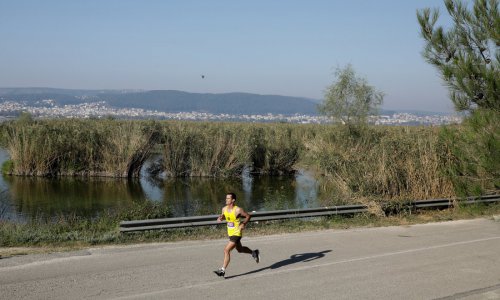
<point>220,272</point>
<point>256,255</point>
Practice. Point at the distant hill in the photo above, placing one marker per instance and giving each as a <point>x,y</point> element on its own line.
<point>178,101</point>
<point>56,91</point>
<point>169,100</point>
<point>230,103</point>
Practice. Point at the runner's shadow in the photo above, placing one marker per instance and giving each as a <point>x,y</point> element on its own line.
<point>296,258</point>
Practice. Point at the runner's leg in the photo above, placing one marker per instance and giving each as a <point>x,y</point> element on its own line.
<point>242,249</point>
<point>227,253</point>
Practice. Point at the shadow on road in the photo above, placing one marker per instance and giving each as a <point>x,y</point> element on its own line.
<point>296,258</point>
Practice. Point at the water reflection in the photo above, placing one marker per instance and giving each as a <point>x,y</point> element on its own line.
<point>32,196</point>
<point>207,195</point>
<point>22,198</point>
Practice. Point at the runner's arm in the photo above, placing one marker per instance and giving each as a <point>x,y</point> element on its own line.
<point>242,213</point>
<point>221,216</point>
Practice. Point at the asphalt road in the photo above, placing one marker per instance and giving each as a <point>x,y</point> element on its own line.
<point>450,260</point>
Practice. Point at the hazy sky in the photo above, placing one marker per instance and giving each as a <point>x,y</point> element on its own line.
<point>286,48</point>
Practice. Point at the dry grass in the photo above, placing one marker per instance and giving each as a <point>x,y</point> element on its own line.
<point>388,163</point>
<point>203,150</point>
<point>128,146</point>
<point>79,147</point>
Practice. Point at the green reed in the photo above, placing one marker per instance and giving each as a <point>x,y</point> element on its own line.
<point>79,147</point>
<point>127,146</point>
<point>361,162</point>
<point>204,149</point>
<point>225,149</point>
<point>275,149</point>
<point>382,162</point>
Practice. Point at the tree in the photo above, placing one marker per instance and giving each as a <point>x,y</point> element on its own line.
<point>350,99</point>
<point>467,54</point>
<point>24,118</point>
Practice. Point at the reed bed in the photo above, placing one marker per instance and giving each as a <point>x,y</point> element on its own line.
<point>385,162</point>
<point>203,149</point>
<point>79,147</point>
<point>275,149</point>
<point>226,149</point>
<point>393,163</point>
<point>51,148</point>
<point>127,146</point>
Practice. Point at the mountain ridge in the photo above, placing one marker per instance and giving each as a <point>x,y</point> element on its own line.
<point>168,100</point>
<point>176,101</point>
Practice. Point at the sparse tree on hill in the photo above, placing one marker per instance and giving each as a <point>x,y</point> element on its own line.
<point>467,54</point>
<point>25,117</point>
<point>350,99</point>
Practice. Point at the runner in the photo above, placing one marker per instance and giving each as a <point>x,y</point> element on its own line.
<point>232,213</point>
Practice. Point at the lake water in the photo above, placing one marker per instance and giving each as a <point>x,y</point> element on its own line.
<point>22,198</point>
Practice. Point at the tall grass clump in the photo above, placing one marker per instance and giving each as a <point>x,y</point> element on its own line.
<point>474,147</point>
<point>127,146</point>
<point>204,149</point>
<point>50,148</point>
<point>390,163</point>
<point>219,151</point>
<point>79,147</point>
<point>176,141</point>
<point>225,149</point>
<point>275,149</point>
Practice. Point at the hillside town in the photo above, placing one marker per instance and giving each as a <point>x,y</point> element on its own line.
<point>49,109</point>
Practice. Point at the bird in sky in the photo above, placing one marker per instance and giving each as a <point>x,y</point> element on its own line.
<point>202,76</point>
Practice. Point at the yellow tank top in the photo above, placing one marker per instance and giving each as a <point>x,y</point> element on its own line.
<point>233,223</point>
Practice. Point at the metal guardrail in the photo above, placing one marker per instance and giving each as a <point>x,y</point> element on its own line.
<point>168,223</point>
<point>444,203</point>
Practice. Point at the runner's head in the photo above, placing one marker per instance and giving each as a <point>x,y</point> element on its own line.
<point>230,198</point>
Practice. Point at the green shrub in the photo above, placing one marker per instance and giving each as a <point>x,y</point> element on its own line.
<point>474,148</point>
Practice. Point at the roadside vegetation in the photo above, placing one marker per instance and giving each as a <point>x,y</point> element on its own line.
<point>72,233</point>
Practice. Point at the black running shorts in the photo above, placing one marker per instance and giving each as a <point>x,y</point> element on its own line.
<point>235,239</point>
